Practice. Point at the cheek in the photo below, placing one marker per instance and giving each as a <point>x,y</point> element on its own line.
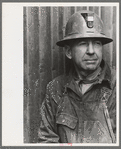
<point>78,53</point>
<point>99,53</point>
<point>77,56</point>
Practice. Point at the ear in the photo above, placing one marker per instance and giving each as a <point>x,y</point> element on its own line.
<point>68,51</point>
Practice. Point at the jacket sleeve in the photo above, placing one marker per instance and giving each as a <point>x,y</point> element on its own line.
<point>47,130</point>
<point>112,103</point>
<point>112,110</point>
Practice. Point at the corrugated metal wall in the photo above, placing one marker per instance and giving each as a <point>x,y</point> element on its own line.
<point>43,60</point>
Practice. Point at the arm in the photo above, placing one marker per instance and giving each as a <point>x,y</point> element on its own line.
<point>112,110</point>
<point>112,102</point>
<point>47,130</point>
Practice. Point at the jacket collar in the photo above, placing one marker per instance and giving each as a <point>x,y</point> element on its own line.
<point>105,75</point>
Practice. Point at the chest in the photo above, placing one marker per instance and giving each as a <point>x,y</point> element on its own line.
<point>88,105</point>
<point>83,115</point>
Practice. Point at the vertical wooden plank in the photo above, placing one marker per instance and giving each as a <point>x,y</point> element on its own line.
<point>54,39</point>
<point>65,19</point>
<point>67,12</point>
<point>96,9</point>
<point>84,8</point>
<point>33,47</point>
<point>26,80</point>
<point>114,37</point>
<point>61,59</point>
<point>78,8</point>
<point>67,15</point>
<point>91,8</point>
<point>72,10</point>
<point>106,15</point>
<point>45,72</point>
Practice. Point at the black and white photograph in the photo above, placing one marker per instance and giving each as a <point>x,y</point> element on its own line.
<point>70,74</point>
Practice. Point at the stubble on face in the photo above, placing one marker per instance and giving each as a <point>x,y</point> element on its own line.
<point>86,62</point>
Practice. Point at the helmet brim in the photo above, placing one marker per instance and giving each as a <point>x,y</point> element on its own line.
<point>65,41</point>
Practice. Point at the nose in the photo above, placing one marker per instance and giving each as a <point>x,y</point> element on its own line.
<point>90,48</point>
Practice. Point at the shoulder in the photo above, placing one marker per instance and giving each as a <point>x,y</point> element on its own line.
<point>55,88</point>
<point>113,77</point>
<point>109,74</point>
<point>57,82</point>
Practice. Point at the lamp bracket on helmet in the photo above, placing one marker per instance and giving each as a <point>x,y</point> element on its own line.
<point>89,18</point>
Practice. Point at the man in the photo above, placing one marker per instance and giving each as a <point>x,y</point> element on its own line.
<point>81,107</point>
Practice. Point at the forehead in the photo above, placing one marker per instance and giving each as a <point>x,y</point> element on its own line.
<point>76,41</point>
<point>87,40</point>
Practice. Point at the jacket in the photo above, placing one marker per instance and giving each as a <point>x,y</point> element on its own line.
<point>67,116</point>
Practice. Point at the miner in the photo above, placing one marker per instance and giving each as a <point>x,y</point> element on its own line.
<point>80,107</point>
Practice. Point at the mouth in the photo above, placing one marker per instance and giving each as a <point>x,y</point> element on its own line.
<point>90,61</point>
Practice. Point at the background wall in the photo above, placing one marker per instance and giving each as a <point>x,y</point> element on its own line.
<point>43,60</point>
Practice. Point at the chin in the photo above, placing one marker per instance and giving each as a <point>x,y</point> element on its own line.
<point>91,68</point>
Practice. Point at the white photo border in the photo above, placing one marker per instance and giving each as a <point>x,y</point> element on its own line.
<point>12,71</point>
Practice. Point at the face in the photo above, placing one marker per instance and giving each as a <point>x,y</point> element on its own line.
<point>86,54</point>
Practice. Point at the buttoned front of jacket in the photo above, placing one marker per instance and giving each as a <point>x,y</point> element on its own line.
<point>67,116</point>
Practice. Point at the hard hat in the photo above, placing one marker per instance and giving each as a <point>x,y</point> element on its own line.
<point>82,25</point>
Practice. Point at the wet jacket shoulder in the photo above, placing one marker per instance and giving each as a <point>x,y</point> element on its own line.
<point>54,93</point>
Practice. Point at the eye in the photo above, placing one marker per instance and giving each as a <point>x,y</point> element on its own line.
<point>83,43</point>
<point>98,43</point>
